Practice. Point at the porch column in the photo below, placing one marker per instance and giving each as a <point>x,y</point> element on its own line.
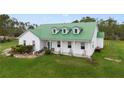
<point>50,44</point>
<point>73,47</point>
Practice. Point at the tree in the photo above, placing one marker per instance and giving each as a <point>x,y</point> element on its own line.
<point>28,25</point>
<point>76,21</point>
<point>10,26</point>
<point>31,27</point>
<point>110,26</point>
<point>88,19</point>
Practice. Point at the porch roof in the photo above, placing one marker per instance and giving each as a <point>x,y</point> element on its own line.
<point>100,34</point>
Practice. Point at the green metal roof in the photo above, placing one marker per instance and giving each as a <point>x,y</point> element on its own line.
<point>100,34</point>
<point>45,31</point>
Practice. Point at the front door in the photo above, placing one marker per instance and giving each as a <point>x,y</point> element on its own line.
<point>48,45</point>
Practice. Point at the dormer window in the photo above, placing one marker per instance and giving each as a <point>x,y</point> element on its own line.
<point>64,30</point>
<point>76,30</point>
<point>54,31</point>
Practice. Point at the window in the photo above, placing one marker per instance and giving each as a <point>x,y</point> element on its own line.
<point>92,45</point>
<point>76,30</point>
<point>54,31</point>
<point>82,45</point>
<point>69,44</point>
<point>64,31</point>
<point>48,45</point>
<point>24,42</point>
<point>33,43</point>
<point>58,44</point>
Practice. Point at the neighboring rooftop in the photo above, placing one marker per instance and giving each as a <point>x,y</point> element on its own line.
<point>100,34</point>
<point>44,31</point>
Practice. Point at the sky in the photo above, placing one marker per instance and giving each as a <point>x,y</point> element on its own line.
<point>62,18</point>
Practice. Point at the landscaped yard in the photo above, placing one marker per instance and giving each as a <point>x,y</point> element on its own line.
<point>7,45</point>
<point>65,66</point>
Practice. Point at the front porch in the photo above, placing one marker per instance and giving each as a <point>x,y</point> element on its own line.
<point>72,48</point>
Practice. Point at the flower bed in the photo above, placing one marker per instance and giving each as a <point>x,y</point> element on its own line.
<point>20,49</point>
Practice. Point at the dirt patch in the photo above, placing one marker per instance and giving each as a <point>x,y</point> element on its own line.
<point>24,56</point>
<point>115,60</point>
<point>6,52</point>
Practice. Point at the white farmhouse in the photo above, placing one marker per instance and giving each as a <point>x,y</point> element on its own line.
<point>76,39</point>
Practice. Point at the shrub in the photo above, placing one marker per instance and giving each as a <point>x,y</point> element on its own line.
<point>8,40</point>
<point>28,48</point>
<point>4,40</point>
<point>22,49</point>
<point>47,51</point>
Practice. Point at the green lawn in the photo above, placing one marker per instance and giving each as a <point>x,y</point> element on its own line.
<point>7,45</point>
<point>65,66</point>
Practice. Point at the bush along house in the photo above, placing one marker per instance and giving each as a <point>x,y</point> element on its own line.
<point>76,39</point>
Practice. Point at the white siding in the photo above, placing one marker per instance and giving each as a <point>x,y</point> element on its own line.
<point>64,49</point>
<point>77,51</point>
<point>91,46</point>
<point>29,37</point>
<point>100,42</point>
<point>88,49</point>
<point>54,45</point>
<point>42,44</point>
